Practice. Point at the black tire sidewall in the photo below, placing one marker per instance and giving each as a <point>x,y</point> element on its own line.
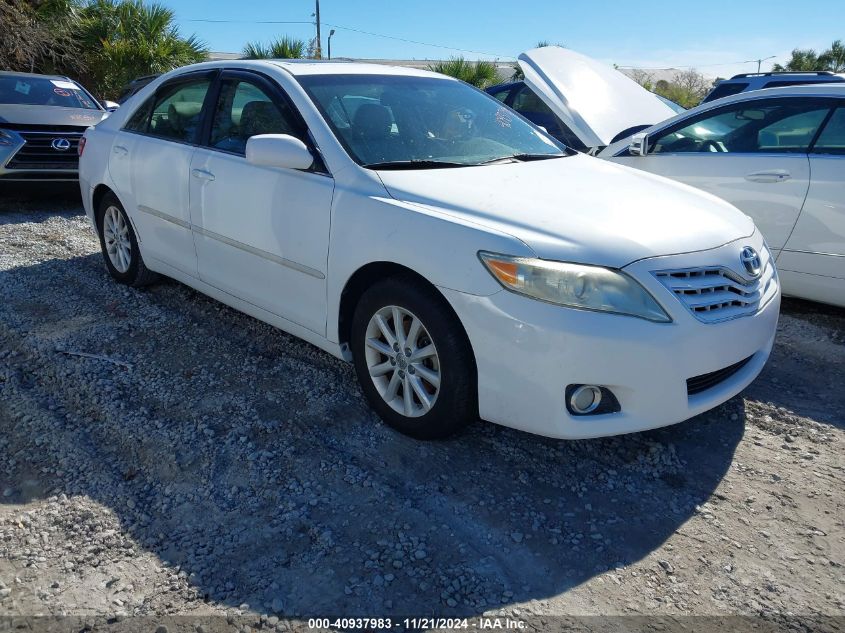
<point>110,200</point>
<point>456,403</point>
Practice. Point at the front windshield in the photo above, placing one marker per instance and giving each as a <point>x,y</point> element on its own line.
<point>424,122</point>
<point>43,91</point>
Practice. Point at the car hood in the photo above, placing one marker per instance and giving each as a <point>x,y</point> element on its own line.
<point>596,101</point>
<point>49,115</point>
<point>577,209</point>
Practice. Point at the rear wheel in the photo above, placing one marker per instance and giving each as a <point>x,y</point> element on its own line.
<point>119,244</point>
<point>413,360</point>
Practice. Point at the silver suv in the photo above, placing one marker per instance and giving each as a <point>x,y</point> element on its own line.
<point>42,118</point>
<point>757,81</point>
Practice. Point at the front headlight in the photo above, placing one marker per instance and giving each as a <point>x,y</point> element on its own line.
<point>574,285</point>
<point>6,139</point>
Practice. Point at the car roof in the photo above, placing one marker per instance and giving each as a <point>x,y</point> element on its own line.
<point>820,75</point>
<point>829,89</point>
<point>12,73</point>
<point>302,67</point>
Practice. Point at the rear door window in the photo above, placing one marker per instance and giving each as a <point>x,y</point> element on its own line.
<point>726,89</point>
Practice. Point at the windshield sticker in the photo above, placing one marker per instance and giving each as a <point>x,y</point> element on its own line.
<point>22,87</point>
<point>503,117</point>
<point>65,85</point>
<point>61,92</point>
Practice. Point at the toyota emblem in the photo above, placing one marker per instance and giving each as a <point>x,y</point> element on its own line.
<point>60,144</point>
<point>750,261</point>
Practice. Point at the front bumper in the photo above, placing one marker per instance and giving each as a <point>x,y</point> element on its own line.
<point>527,352</point>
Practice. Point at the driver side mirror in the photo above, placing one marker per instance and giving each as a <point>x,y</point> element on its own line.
<point>110,106</point>
<point>639,144</point>
<point>278,150</point>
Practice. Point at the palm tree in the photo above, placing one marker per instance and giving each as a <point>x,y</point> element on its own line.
<point>282,48</point>
<point>125,39</point>
<point>479,74</point>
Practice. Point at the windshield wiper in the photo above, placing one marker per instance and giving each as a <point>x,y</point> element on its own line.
<point>416,164</point>
<point>522,158</point>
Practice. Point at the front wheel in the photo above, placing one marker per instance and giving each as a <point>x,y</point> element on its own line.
<point>413,360</point>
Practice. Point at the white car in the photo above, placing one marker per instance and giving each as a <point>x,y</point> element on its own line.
<point>463,260</point>
<point>776,154</point>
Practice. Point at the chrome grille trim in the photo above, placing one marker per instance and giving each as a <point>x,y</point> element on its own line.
<point>37,154</point>
<point>714,294</point>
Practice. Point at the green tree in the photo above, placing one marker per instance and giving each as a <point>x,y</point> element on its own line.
<point>124,39</point>
<point>479,74</point>
<point>806,59</point>
<point>802,59</point>
<point>834,57</point>
<point>687,88</point>
<point>37,36</point>
<point>282,48</point>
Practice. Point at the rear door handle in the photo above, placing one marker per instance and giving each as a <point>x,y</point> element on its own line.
<point>202,174</point>
<point>120,150</point>
<point>771,175</point>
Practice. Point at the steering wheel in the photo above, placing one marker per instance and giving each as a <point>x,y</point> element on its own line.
<point>713,146</point>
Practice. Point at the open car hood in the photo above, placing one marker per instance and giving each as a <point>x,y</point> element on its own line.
<point>594,100</point>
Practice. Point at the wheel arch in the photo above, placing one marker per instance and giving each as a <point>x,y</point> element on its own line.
<point>100,192</point>
<point>364,278</point>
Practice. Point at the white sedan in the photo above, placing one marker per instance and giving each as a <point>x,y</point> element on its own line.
<point>466,263</point>
<point>777,154</point>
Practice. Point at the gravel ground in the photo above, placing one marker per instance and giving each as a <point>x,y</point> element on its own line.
<point>220,466</point>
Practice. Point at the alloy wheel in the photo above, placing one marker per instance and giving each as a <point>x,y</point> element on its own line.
<point>402,361</point>
<point>116,237</point>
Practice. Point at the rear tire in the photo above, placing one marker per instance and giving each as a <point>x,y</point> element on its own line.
<point>413,359</point>
<point>120,246</point>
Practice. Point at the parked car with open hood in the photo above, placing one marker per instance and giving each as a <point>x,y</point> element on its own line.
<point>577,99</point>
<point>465,261</point>
<point>42,118</point>
<point>777,154</point>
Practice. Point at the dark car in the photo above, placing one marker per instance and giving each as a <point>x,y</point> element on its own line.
<point>525,101</point>
<point>758,81</point>
<point>42,118</point>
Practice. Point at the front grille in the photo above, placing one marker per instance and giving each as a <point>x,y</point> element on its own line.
<point>718,294</point>
<point>697,384</point>
<point>38,153</point>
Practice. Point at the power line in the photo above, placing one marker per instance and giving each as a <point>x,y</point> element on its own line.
<point>349,28</point>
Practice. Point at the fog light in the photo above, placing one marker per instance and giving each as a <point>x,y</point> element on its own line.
<point>590,400</point>
<point>585,399</point>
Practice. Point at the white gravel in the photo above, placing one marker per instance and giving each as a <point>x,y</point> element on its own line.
<point>231,468</point>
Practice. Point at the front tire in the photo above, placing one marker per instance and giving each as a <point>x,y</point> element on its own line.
<point>413,359</point>
<point>120,246</point>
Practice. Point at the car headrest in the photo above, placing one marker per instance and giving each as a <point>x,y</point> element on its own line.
<point>372,120</point>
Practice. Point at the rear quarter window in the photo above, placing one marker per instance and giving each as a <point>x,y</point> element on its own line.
<point>726,89</point>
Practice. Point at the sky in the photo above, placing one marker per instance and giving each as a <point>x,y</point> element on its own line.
<point>714,36</point>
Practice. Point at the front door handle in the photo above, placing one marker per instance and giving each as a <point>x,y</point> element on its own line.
<point>120,150</point>
<point>202,174</point>
<point>770,175</point>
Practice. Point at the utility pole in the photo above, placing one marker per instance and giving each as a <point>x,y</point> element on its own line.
<point>318,51</point>
<point>760,61</point>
